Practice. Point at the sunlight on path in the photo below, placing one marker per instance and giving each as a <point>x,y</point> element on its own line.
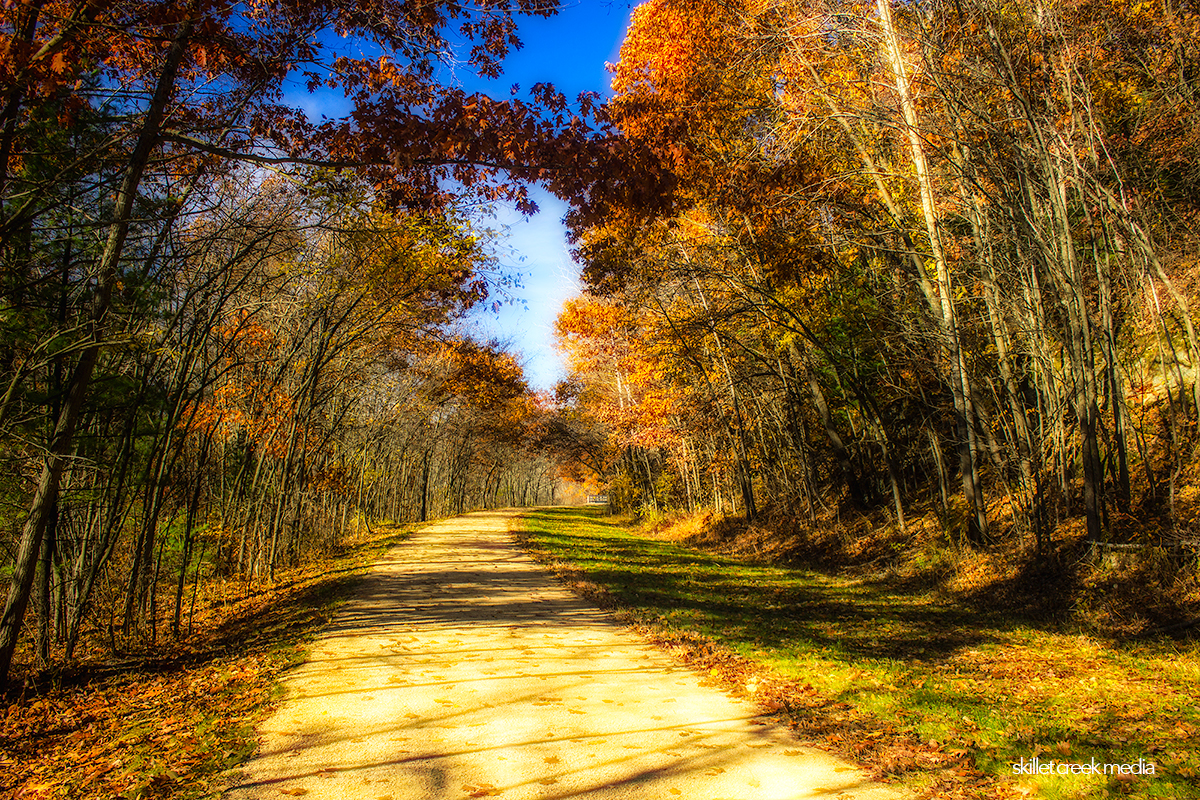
<point>462,669</point>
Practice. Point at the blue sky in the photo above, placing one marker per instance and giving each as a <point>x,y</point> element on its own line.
<point>535,250</point>
<point>569,50</point>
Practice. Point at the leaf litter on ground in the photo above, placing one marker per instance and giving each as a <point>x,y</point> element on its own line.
<point>170,722</point>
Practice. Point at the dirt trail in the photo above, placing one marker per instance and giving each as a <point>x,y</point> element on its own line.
<point>462,669</point>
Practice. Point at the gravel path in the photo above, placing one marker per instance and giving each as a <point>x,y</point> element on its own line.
<point>462,669</point>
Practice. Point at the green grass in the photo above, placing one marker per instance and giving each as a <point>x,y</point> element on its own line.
<point>999,688</point>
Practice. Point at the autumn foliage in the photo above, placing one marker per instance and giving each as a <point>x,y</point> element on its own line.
<point>928,264</point>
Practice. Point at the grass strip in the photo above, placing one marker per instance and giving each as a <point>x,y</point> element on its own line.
<point>943,699</point>
<point>173,725</point>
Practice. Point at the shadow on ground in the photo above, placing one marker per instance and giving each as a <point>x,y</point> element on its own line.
<point>765,607</point>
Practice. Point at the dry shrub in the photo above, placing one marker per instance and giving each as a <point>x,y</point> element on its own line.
<point>1152,590</point>
<point>777,537</point>
<point>684,527</point>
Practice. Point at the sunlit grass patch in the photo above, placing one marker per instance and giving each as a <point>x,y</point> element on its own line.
<point>912,684</point>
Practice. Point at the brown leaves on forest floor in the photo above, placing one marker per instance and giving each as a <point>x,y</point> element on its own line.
<point>135,733</point>
<point>168,724</point>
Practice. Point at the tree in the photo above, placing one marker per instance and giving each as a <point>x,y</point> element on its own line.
<point>912,228</point>
<point>177,96</point>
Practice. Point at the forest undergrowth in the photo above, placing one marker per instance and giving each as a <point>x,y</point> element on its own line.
<point>170,721</point>
<point>1108,591</point>
<point>907,671</point>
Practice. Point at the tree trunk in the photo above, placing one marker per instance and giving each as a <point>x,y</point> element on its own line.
<point>977,525</point>
<point>46,496</point>
<point>425,486</point>
<point>841,453</point>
